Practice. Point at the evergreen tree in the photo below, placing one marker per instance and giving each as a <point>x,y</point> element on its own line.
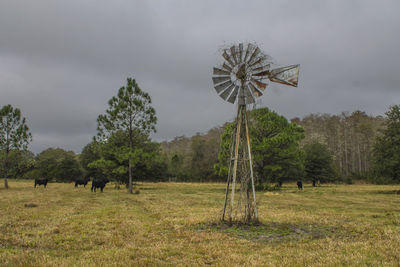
<point>14,134</point>
<point>386,152</point>
<point>20,162</point>
<point>129,111</point>
<point>59,164</point>
<point>90,153</point>
<point>318,163</point>
<point>274,144</point>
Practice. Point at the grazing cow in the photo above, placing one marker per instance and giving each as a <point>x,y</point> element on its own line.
<point>99,184</point>
<point>300,185</point>
<point>82,181</point>
<point>41,181</point>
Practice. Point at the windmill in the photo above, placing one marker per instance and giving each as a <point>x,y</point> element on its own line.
<point>241,78</point>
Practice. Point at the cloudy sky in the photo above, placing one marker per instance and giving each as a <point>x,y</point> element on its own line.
<point>61,61</point>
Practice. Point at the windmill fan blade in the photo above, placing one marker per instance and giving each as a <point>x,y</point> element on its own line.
<point>260,85</point>
<point>257,92</point>
<point>227,58</point>
<point>232,98</point>
<point>222,86</point>
<point>286,75</point>
<point>249,97</point>
<point>217,71</point>
<point>233,54</point>
<point>262,68</point>
<point>240,52</point>
<point>258,61</point>
<point>221,79</point>
<point>227,92</point>
<point>249,48</point>
<point>226,67</point>
<point>253,56</point>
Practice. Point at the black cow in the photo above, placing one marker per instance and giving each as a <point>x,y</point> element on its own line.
<point>41,181</point>
<point>300,185</point>
<point>99,184</point>
<point>82,181</point>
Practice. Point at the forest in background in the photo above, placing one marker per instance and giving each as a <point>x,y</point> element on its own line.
<point>349,137</point>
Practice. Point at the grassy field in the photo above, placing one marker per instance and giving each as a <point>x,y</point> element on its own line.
<point>176,224</point>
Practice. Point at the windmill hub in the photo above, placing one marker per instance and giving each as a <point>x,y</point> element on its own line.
<point>241,73</point>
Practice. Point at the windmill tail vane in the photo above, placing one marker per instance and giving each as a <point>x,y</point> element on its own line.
<point>243,77</point>
<point>286,75</point>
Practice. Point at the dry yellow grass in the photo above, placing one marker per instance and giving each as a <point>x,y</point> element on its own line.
<point>176,224</point>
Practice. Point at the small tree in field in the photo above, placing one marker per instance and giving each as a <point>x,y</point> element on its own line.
<point>129,111</point>
<point>318,163</point>
<point>14,133</point>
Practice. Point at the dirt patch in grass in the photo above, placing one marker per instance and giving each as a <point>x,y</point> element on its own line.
<point>271,231</point>
<point>30,205</point>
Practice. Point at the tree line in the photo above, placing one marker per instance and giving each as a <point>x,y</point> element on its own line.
<point>318,147</point>
<point>275,142</point>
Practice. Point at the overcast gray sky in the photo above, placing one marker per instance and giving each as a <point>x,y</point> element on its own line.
<point>61,61</point>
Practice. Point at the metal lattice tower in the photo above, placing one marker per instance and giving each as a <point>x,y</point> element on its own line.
<point>243,76</point>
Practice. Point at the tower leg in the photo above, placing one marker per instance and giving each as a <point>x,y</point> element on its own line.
<point>230,169</point>
<point>227,184</point>
<point>251,166</point>
<point>235,163</point>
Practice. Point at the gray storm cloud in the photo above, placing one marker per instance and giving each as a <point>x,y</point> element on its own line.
<point>60,61</point>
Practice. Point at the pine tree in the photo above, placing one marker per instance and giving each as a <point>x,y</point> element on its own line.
<point>14,134</point>
<point>129,111</point>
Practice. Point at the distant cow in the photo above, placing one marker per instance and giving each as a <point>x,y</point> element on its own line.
<point>41,182</point>
<point>82,181</point>
<point>99,184</point>
<point>300,185</point>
